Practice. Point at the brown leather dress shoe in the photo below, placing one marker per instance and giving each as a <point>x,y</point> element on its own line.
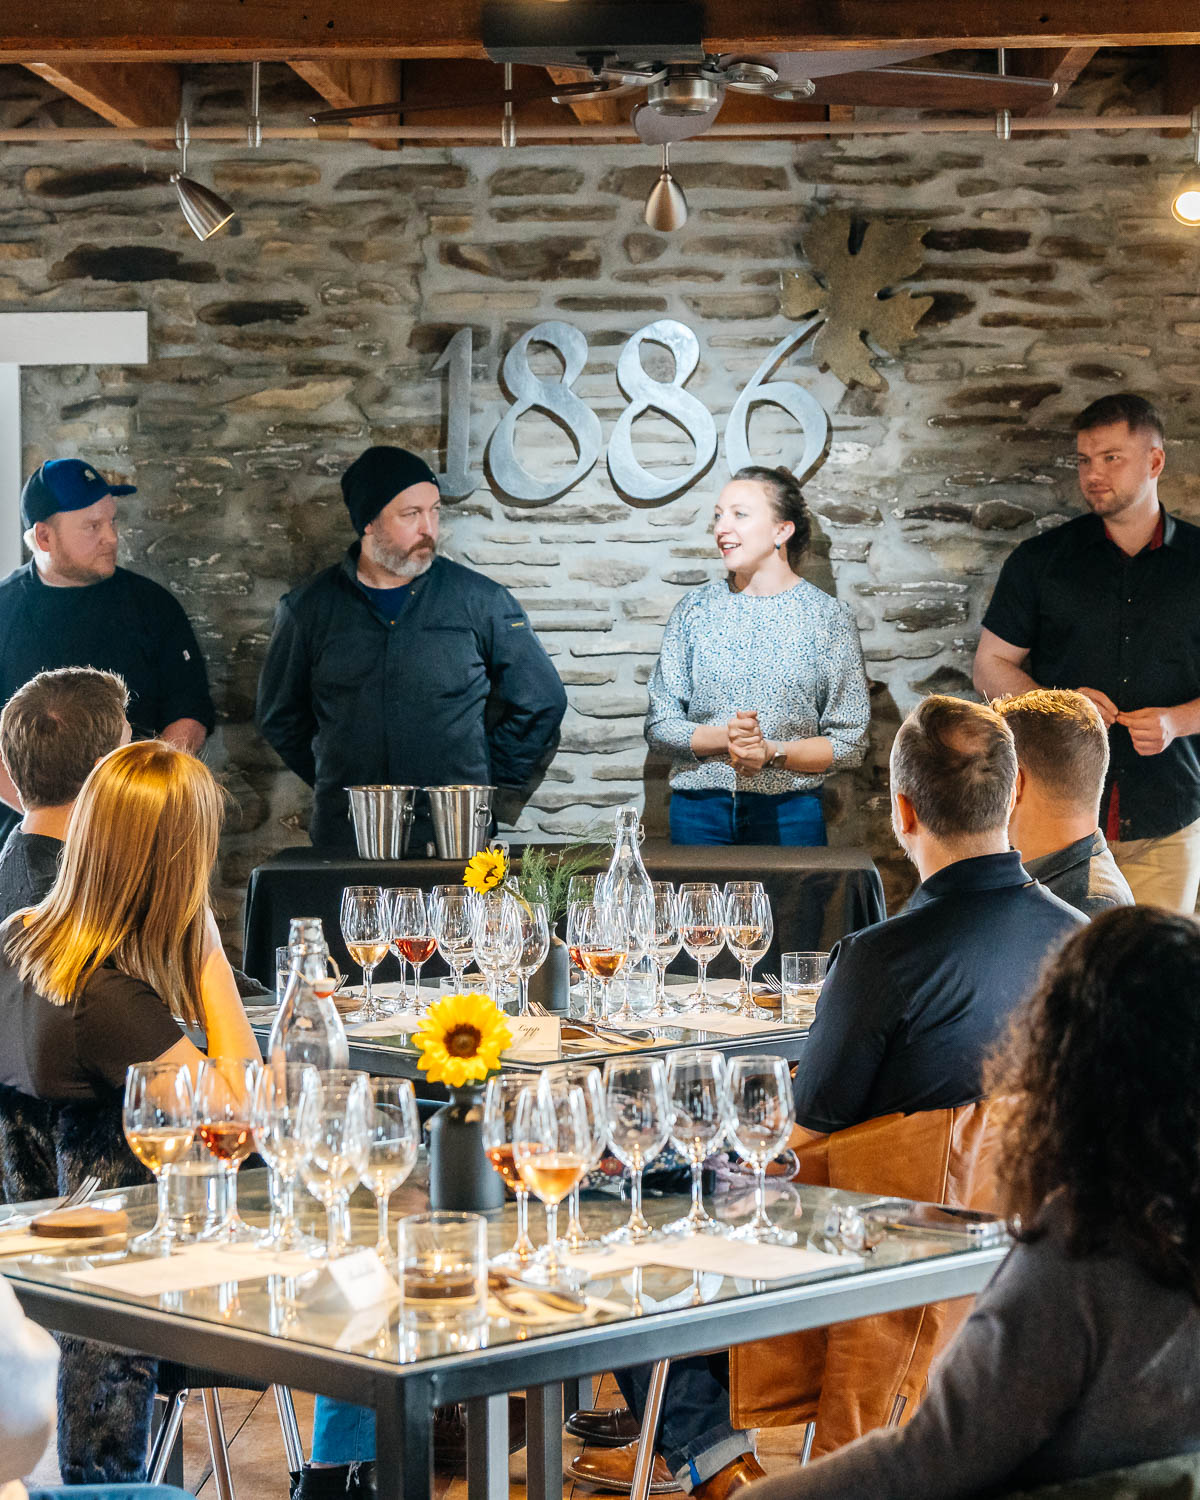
<point>611,1428</point>
<point>735,1476</point>
<point>613,1470</point>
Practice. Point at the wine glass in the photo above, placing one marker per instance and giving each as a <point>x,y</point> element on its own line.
<point>535,945</point>
<point>389,895</point>
<point>575,924</point>
<point>636,910</point>
<point>639,1121</point>
<point>274,1113</point>
<point>496,931</point>
<point>701,919</point>
<point>550,1148</point>
<point>410,933</point>
<point>591,1085</point>
<point>366,930</point>
<point>158,1117</point>
<point>602,944</point>
<point>761,1115</point>
<point>697,1086</point>
<point>450,923</point>
<point>224,1102</point>
<point>499,1104</point>
<point>663,943</point>
<point>334,1127</point>
<point>749,928</point>
<point>394,1133</point>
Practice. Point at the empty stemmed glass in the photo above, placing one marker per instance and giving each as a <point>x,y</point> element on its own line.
<point>274,1117</point>
<point>535,945</point>
<point>334,1128</point>
<point>393,1134</point>
<point>701,922</point>
<point>588,1081</point>
<point>551,1147</point>
<point>366,931</point>
<point>761,1116</point>
<point>411,935</point>
<point>450,923</point>
<point>700,1108</point>
<point>496,930</point>
<point>749,928</point>
<point>636,910</point>
<point>224,1101</point>
<point>663,943</point>
<point>639,1121</point>
<point>499,1104</point>
<point>159,1121</point>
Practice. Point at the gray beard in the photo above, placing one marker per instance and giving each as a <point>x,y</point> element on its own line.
<point>398,564</point>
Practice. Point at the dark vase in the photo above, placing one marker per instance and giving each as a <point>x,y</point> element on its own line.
<point>551,985</point>
<point>461,1178</point>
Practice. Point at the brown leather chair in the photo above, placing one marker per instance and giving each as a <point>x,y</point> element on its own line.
<point>870,1373</point>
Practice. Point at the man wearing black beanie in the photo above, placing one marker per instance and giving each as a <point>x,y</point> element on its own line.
<point>402,667</point>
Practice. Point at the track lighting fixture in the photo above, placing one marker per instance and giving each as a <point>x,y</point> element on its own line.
<point>666,207</point>
<point>204,211</point>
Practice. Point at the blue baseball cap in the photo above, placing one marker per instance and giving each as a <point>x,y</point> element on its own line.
<point>65,484</point>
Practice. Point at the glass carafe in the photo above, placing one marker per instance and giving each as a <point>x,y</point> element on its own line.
<point>308,1028</point>
<point>625,883</point>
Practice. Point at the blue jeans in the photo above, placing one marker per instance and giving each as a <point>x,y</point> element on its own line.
<point>718,817</point>
<point>112,1492</point>
<point>342,1434</point>
<point>695,1436</point>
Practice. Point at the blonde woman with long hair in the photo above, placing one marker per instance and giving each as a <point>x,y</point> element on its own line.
<point>123,952</point>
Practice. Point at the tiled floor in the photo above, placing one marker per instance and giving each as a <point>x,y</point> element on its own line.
<point>260,1469</point>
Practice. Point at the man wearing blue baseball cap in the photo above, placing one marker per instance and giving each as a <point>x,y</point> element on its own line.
<point>400,666</point>
<point>72,606</point>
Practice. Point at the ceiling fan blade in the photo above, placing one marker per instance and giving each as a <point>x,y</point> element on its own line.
<point>797,65</point>
<point>572,95</point>
<point>663,130</point>
<point>561,93</point>
<point>933,88</point>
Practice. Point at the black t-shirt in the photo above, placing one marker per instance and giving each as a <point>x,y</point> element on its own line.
<point>28,868</point>
<point>80,1050</point>
<point>126,624</point>
<point>913,1005</point>
<point>1091,616</point>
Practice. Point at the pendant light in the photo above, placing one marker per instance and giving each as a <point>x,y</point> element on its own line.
<point>666,207</point>
<point>203,209</point>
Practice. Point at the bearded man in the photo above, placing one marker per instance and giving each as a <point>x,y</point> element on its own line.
<point>399,666</point>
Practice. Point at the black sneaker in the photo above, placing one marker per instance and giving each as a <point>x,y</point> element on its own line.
<point>329,1482</point>
<point>361,1484</point>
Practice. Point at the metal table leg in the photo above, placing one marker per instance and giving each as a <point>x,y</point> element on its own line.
<point>487,1448</point>
<point>543,1419</point>
<point>404,1440</point>
<point>643,1466</point>
<point>578,1395</point>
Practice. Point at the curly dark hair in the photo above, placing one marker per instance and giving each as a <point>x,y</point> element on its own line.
<point>1103,1063</point>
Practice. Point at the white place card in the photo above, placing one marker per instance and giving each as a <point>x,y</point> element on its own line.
<point>533,1036</point>
<point>361,1280</point>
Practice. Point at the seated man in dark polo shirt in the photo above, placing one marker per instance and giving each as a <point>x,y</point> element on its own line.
<point>913,1005</point>
<point>1062,760</point>
<point>52,732</point>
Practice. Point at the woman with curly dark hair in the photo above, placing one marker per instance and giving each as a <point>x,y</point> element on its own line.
<point>1083,1354</point>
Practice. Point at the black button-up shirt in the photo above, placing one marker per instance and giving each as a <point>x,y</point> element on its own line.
<point>913,1005</point>
<point>457,688</point>
<point>1091,616</point>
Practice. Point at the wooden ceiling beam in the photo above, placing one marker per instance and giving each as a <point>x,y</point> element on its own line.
<point>229,30</point>
<point>125,94</point>
<point>1062,65</point>
<point>591,111</point>
<point>346,82</point>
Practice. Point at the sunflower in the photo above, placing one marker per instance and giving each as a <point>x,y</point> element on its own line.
<point>486,870</point>
<point>460,1039</point>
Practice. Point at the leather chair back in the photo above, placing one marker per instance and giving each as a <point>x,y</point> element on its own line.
<point>851,1377</point>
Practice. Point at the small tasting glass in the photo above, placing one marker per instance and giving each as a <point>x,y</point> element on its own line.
<point>443,1269</point>
<point>803,974</point>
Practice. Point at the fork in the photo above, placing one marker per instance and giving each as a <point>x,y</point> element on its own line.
<point>82,1193</point>
<point>771,982</point>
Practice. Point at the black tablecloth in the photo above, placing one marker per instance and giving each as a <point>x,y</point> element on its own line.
<point>817,895</point>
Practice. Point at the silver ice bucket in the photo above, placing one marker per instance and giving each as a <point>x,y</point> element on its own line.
<point>383,819</point>
<point>462,818</point>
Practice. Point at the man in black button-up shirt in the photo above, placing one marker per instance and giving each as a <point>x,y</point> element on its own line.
<point>1107,604</point>
<point>399,666</point>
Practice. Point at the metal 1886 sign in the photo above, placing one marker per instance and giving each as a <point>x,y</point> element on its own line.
<point>556,398</point>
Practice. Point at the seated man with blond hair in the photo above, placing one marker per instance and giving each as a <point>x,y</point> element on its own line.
<point>1062,762</point>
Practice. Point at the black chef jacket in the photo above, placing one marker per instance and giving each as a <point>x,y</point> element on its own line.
<point>456,689</point>
<point>1094,617</point>
<point>125,624</point>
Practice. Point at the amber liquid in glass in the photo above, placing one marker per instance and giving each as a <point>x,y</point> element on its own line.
<point>158,1148</point>
<point>576,957</point>
<point>501,1158</point>
<point>367,955</point>
<point>231,1140</point>
<point>417,950</point>
<point>550,1175</point>
<point>745,937</point>
<point>603,964</point>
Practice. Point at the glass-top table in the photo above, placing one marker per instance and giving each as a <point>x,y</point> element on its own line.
<point>291,1328</point>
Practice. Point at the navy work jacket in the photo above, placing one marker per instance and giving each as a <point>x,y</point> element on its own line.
<point>456,689</point>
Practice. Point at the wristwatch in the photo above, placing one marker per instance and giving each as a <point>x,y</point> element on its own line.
<point>778,760</point>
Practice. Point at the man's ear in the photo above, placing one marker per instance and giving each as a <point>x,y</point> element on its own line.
<point>905,813</point>
<point>1018,791</point>
<point>41,535</point>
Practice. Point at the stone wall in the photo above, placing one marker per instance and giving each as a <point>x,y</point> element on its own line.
<point>282,348</point>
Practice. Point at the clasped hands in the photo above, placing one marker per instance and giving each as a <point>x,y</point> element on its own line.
<point>1150,729</point>
<point>748,751</point>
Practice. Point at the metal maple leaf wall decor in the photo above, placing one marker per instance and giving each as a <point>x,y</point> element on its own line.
<point>856,271</point>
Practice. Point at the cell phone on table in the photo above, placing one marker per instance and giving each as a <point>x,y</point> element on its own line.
<point>940,1218</point>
